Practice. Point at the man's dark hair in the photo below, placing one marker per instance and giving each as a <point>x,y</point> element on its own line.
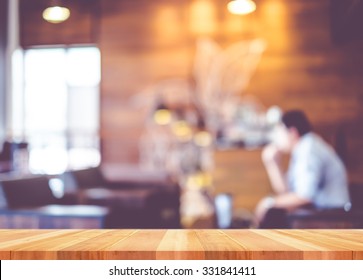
<point>297,119</point>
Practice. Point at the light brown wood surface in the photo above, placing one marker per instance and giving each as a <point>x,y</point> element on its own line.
<point>181,244</point>
<point>241,173</point>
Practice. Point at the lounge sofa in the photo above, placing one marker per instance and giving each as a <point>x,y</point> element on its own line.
<point>125,203</point>
<point>133,203</point>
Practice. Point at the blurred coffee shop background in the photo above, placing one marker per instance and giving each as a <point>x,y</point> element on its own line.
<point>152,114</point>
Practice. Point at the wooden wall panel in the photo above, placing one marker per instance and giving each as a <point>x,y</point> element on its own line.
<point>300,68</point>
<point>80,28</point>
<point>138,49</point>
<point>143,42</point>
<point>241,173</point>
<point>309,72</point>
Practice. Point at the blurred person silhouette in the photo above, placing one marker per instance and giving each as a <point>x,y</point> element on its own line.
<point>316,176</point>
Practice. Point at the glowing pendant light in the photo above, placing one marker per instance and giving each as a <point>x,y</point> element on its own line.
<point>203,139</point>
<point>56,13</point>
<point>162,114</point>
<point>241,7</point>
<point>182,130</point>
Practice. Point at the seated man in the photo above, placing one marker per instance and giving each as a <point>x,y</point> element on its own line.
<point>316,176</point>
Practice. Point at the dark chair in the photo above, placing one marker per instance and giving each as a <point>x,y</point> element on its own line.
<point>89,178</point>
<point>6,151</point>
<point>133,203</point>
<point>31,191</point>
<point>33,202</point>
<point>356,197</point>
<point>275,218</point>
<point>6,157</point>
<point>349,217</point>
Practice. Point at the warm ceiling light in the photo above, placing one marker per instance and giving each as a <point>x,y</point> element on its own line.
<point>241,7</point>
<point>203,139</point>
<point>182,130</point>
<point>199,180</point>
<point>162,114</point>
<point>56,14</point>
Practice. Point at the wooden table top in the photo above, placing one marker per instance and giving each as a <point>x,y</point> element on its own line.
<point>181,244</point>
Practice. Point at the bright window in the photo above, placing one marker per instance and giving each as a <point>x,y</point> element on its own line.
<point>59,117</point>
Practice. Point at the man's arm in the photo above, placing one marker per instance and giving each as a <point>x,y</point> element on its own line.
<point>288,201</point>
<point>271,157</point>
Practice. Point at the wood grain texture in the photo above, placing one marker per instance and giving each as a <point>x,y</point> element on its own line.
<point>35,31</point>
<point>240,173</point>
<point>301,66</point>
<point>181,244</point>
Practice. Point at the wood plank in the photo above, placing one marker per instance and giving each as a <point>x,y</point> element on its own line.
<point>310,250</point>
<point>219,246</point>
<point>351,241</point>
<point>93,248</point>
<point>354,235</point>
<point>47,248</point>
<point>138,246</point>
<point>9,234</point>
<point>333,249</point>
<point>180,245</point>
<point>262,247</point>
<point>20,238</point>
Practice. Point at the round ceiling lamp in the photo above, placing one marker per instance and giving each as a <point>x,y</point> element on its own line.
<point>241,7</point>
<point>56,14</point>
<point>182,130</point>
<point>162,114</point>
<point>203,139</point>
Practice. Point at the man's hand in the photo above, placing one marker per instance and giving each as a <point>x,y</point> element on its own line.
<point>271,154</point>
<point>271,157</point>
<point>262,207</point>
<point>288,201</point>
